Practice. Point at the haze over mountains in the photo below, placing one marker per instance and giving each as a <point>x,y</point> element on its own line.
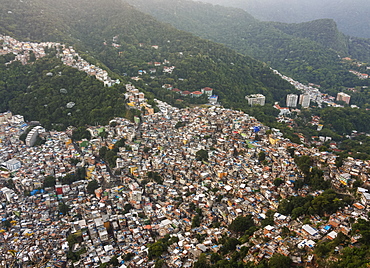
<point>309,52</point>
<point>351,16</point>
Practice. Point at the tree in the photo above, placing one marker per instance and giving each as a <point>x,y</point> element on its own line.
<point>10,184</point>
<point>159,263</point>
<point>6,224</point>
<point>279,261</point>
<point>128,256</point>
<point>81,133</point>
<point>229,244</point>
<point>92,186</point>
<point>103,134</point>
<point>195,222</point>
<point>114,261</point>
<point>278,182</point>
<point>111,158</point>
<point>291,151</point>
<point>202,262</point>
<point>261,156</point>
<point>156,249</point>
<point>80,173</point>
<point>102,151</point>
<point>72,239</point>
<point>241,224</point>
<point>49,181</point>
<point>201,155</point>
<point>215,257</point>
<point>127,207</point>
<point>63,208</point>
<point>155,176</point>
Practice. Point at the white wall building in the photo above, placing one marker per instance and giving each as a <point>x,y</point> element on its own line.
<point>256,99</point>
<point>13,164</point>
<point>291,100</point>
<point>304,100</point>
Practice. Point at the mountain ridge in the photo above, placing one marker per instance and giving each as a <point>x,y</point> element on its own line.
<point>351,16</point>
<point>308,56</point>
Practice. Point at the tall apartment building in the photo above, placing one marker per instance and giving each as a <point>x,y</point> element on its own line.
<point>291,100</point>
<point>304,100</point>
<point>256,99</point>
<point>341,96</point>
<point>32,135</point>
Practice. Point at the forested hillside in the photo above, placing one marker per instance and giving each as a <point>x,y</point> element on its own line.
<point>129,42</point>
<point>351,16</point>
<point>28,90</point>
<point>309,52</point>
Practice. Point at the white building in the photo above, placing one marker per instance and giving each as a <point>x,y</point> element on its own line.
<point>304,100</point>
<point>291,100</point>
<point>341,96</point>
<point>13,164</point>
<point>32,135</point>
<point>256,99</point>
<point>365,199</point>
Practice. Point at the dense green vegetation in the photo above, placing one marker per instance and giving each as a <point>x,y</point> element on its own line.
<point>241,224</point>
<point>91,26</point>
<point>325,204</point>
<point>158,248</point>
<point>110,156</point>
<point>26,90</point>
<point>353,253</point>
<point>307,52</point>
<point>351,16</point>
<point>339,124</point>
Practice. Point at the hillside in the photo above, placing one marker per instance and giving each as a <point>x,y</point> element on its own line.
<point>128,43</point>
<point>308,51</point>
<point>351,16</point>
<point>42,91</point>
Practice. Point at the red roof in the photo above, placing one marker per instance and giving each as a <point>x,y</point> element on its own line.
<point>185,92</point>
<point>197,93</point>
<point>207,89</point>
<point>176,89</point>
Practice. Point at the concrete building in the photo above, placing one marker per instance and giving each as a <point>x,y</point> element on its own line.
<point>341,96</point>
<point>207,90</point>
<point>213,99</point>
<point>32,135</point>
<point>291,100</point>
<point>304,100</point>
<point>13,164</point>
<point>256,99</point>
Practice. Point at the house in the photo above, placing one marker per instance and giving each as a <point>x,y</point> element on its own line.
<point>207,91</point>
<point>309,230</point>
<point>196,94</point>
<point>332,235</point>
<point>213,99</point>
<point>365,199</point>
<point>185,93</point>
<point>176,90</point>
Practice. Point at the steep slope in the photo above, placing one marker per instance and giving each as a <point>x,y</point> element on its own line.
<point>42,91</point>
<point>322,31</point>
<point>129,42</point>
<point>351,16</point>
<point>307,52</point>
